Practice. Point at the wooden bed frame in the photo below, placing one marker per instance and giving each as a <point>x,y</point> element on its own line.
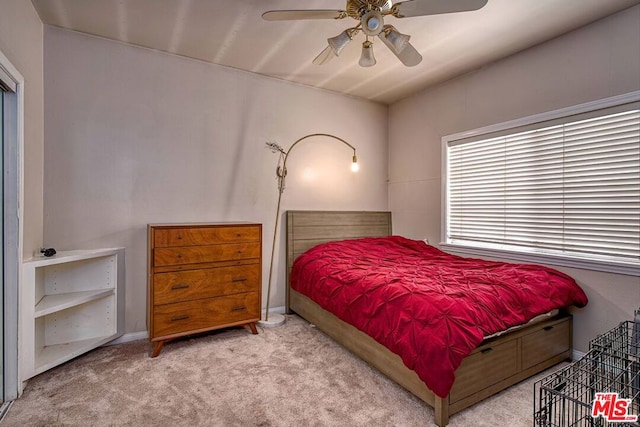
<point>497,364</point>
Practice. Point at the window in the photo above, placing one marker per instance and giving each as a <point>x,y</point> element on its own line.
<point>565,187</point>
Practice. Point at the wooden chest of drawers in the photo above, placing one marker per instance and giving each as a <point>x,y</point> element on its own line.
<point>202,277</point>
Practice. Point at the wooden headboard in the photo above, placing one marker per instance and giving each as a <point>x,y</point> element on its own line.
<point>306,229</point>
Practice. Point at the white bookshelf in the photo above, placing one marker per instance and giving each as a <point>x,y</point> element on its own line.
<point>70,303</point>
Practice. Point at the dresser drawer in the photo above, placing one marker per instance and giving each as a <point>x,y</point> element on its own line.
<point>197,236</point>
<point>201,315</point>
<point>203,254</point>
<point>545,343</point>
<point>198,284</point>
<point>485,367</point>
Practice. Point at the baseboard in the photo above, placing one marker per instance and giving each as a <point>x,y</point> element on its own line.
<point>133,336</point>
<point>143,335</point>
<point>279,310</point>
<point>577,355</point>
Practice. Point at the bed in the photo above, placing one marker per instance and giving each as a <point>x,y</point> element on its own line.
<point>498,361</point>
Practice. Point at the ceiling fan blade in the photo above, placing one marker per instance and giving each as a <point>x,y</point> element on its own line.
<point>290,15</point>
<point>409,56</point>
<point>325,56</point>
<point>434,7</point>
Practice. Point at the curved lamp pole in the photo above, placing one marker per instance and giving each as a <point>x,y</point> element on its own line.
<point>281,172</point>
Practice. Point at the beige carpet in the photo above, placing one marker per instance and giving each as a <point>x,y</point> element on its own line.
<point>293,375</point>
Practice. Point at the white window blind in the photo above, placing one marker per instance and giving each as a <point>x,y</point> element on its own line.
<point>571,187</point>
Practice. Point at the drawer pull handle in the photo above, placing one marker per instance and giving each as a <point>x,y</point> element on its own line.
<point>179,237</point>
<point>486,350</point>
<point>547,328</point>
<point>176,318</point>
<point>239,308</point>
<point>239,279</point>
<point>175,287</point>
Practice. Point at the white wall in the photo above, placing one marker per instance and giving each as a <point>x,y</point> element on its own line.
<point>21,42</point>
<point>135,136</point>
<point>594,62</point>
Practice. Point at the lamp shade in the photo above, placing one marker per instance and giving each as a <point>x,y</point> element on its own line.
<point>397,40</point>
<point>338,42</point>
<point>366,58</point>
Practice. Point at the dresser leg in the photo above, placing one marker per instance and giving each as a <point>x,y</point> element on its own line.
<point>252,326</point>
<point>157,346</point>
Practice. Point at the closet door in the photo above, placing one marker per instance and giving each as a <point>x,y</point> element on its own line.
<point>9,233</point>
<point>2,249</point>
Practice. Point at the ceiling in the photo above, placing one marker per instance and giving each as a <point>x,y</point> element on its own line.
<point>232,33</point>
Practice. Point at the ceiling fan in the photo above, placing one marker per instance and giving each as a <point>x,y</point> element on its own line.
<point>370,16</point>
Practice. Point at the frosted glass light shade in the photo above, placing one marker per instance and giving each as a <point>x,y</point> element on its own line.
<point>367,59</point>
<point>338,42</point>
<point>398,40</point>
<point>372,23</point>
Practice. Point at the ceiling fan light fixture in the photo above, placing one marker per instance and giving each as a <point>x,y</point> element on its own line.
<point>397,40</point>
<point>339,42</point>
<point>370,17</point>
<point>366,58</point>
<point>372,23</point>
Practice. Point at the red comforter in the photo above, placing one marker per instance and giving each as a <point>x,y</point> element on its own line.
<point>429,307</point>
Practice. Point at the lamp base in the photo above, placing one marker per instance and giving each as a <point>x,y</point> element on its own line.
<point>275,320</point>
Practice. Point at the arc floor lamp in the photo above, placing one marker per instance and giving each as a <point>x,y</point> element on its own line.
<point>281,173</point>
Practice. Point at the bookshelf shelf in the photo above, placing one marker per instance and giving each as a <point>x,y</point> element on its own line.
<point>70,303</point>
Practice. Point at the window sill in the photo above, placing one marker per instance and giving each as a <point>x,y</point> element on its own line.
<point>607,266</point>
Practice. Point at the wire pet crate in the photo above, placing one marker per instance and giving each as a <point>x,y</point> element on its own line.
<point>612,366</point>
